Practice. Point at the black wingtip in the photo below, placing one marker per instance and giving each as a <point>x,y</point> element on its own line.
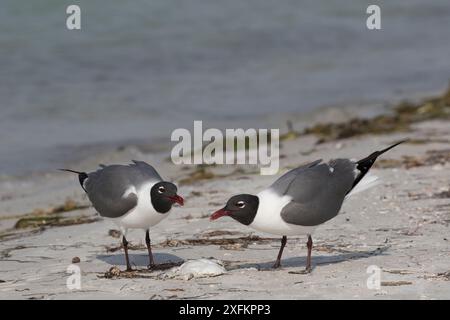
<point>392,146</point>
<point>81,176</point>
<point>70,170</point>
<point>372,157</point>
<point>365,164</point>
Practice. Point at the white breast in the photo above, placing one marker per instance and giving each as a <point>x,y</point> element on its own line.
<point>268,218</point>
<point>143,216</point>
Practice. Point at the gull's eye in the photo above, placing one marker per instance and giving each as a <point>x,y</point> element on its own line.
<point>240,204</point>
<point>161,189</point>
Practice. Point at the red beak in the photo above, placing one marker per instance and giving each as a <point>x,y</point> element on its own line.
<point>220,213</point>
<point>176,198</point>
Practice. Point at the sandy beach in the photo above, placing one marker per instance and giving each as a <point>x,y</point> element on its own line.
<point>400,226</point>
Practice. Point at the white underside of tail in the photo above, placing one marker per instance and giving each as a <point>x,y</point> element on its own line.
<point>369,181</point>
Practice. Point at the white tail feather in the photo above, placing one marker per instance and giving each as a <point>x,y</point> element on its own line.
<point>367,182</point>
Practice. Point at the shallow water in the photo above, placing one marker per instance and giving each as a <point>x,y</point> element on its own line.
<point>139,69</point>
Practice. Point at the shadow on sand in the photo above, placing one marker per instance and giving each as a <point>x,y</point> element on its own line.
<point>316,260</point>
<point>140,260</point>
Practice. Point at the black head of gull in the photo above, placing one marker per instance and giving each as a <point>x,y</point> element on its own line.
<point>242,208</point>
<point>163,195</point>
<point>302,199</point>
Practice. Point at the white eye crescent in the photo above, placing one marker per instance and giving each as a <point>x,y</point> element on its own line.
<point>240,204</point>
<point>161,189</point>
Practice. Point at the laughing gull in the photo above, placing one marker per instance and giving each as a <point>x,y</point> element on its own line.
<point>132,196</point>
<point>302,199</point>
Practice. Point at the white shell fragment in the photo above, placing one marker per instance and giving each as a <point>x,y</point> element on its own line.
<point>197,269</point>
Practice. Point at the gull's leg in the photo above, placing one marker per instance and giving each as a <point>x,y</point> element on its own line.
<point>309,244</point>
<point>125,248</point>
<point>280,253</point>
<point>149,248</point>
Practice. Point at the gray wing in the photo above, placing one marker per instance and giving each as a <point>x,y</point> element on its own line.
<point>106,186</point>
<point>147,170</point>
<point>282,183</point>
<point>317,191</point>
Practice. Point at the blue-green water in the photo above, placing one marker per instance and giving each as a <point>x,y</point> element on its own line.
<point>138,69</point>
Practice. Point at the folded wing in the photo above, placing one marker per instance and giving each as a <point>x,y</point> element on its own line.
<point>316,191</point>
<point>112,189</point>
